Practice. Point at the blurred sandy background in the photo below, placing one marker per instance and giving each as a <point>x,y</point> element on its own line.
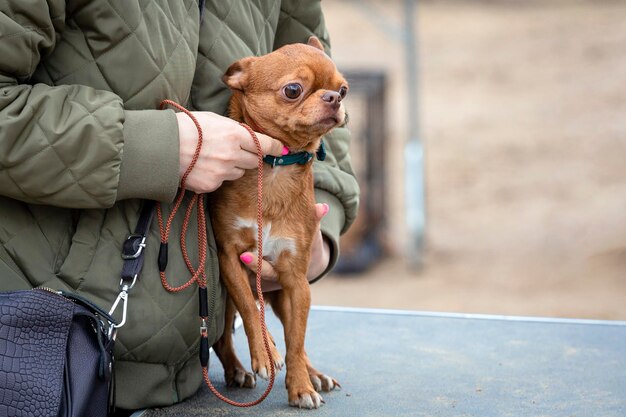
<point>523,119</point>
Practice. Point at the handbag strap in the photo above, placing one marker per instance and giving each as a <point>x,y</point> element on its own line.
<point>133,256</point>
<point>132,249</point>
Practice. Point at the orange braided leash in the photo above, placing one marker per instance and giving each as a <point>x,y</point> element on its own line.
<point>199,275</point>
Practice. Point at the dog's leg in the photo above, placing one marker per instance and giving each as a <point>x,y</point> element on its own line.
<point>234,372</point>
<point>320,381</point>
<point>236,280</point>
<point>279,362</point>
<point>292,305</point>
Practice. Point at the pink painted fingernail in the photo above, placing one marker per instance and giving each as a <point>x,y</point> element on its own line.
<point>326,208</point>
<point>285,151</point>
<point>246,258</point>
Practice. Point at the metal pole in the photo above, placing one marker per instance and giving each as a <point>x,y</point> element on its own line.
<point>413,151</point>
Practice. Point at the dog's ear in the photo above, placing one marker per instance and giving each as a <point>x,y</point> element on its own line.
<point>314,42</point>
<point>236,76</point>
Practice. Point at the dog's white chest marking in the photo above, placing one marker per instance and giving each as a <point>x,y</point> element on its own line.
<point>273,246</point>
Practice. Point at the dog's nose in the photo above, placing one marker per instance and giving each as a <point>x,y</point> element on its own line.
<point>332,97</point>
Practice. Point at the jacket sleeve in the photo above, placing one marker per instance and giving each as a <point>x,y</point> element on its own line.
<point>64,145</point>
<point>335,181</point>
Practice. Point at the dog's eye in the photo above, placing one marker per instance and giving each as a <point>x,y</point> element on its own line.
<point>292,91</point>
<point>343,91</point>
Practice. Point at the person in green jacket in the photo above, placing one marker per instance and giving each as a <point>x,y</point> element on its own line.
<point>82,144</point>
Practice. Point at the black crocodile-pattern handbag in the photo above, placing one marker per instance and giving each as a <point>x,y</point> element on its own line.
<point>55,356</point>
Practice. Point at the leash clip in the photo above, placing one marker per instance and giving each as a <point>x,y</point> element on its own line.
<point>122,297</point>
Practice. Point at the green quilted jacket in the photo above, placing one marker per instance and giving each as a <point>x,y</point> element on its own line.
<point>82,142</point>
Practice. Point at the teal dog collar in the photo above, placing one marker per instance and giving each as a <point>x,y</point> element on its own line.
<point>301,158</point>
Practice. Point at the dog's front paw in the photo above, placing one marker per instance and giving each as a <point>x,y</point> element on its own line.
<point>320,381</point>
<point>239,377</point>
<point>310,400</point>
<point>300,391</point>
<point>261,364</point>
<point>262,369</point>
<point>323,382</point>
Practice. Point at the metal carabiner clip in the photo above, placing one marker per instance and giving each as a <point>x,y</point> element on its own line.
<point>122,296</point>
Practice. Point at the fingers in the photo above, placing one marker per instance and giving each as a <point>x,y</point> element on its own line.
<point>320,252</point>
<point>228,150</point>
<point>234,174</point>
<point>321,210</point>
<point>267,270</point>
<point>269,145</point>
<point>247,160</point>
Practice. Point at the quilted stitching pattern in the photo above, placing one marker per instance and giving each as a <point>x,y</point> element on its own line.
<point>300,20</point>
<point>130,30</point>
<point>90,52</point>
<point>226,38</point>
<point>52,145</point>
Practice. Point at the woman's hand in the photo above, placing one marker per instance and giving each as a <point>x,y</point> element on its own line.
<point>320,257</point>
<point>227,150</point>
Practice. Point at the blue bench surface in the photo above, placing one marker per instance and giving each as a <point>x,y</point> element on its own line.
<point>393,363</point>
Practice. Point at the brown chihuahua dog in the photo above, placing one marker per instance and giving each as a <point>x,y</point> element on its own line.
<point>294,95</point>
